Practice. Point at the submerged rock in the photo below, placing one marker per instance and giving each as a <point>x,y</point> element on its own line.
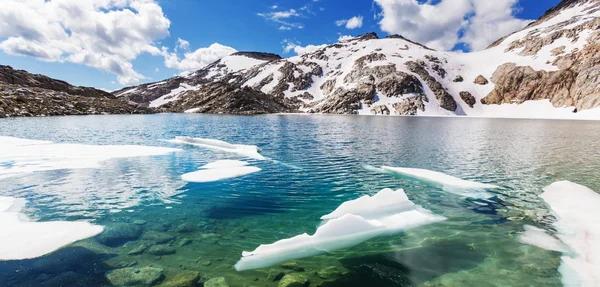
<point>136,248</point>
<point>185,228</point>
<point>157,237</point>
<point>275,275</point>
<point>184,279</point>
<point>145,276</point>
<point>118,234</point>
<point>216,282</point>
<point>161,250</point>
<point>292,265</point>
<point>294,280</point>
<point>331,273</point>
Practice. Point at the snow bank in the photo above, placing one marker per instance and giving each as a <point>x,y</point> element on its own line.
<point>220,170</point>
<point>577,210</point>
<point>22,156</point>
<point>385,213</point>
<point>446,182</point>
<point>22,239</point>
<point>538,237</point>
<point>250,151</point>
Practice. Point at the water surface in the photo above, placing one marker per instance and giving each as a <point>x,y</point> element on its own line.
<point>316,163</point>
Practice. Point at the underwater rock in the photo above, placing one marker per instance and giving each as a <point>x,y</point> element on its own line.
<point>275,275</point>
<point>294,280</point>
<point>205,262</point>
<point>184,279</point>
<point>184,241</point>
<point>139,222</point>
<point>161,250</point>
<point>292,265</point>
<point>116,234</point>
<point>145,276</point>
<point>331,273</point>
<point>185,228</point>
<point>157,237</point>
<point>216,282</point>
<point>136,248</point>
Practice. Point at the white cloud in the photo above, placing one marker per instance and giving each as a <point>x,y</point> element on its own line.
<point>352,23</point>
<point>439,25</point>
<point>274,7</point>
<point>183,44</point>
<point>103,34</point>
<point>284,28</point>
<point>294,46</point>
<point>156,70</point>
<point>195,60</point>
<point>345,37</point>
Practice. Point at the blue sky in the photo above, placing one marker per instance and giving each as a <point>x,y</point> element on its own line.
<point>248,25</point>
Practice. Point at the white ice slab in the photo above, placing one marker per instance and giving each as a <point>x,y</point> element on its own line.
<point>345,230</point>
<point>446,182</point>
<point>216,174</point>
<point>225,164</point>
<point>22,156</point>
<point>538,237</point>
<point>577,209</point>
<point>250,151</point>
<point>23,239</point>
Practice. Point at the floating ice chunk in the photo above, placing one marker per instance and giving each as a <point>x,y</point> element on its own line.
<point>538,237</point>
<point>384,202</point>
<point>345,229</point>
<point>250,151</point>
<point>218,170</point>
<point>577,210</point>
<point>22,239</point>
<point>22,156</point>
<point>225,164</point>
<point>446,182</point>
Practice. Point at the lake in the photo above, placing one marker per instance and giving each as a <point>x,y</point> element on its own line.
<point>313,164</point>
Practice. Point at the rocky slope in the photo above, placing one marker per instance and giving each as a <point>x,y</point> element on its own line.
<point>25,94</point>
<point>549,69</point>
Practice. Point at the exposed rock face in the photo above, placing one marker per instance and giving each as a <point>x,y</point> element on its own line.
<point>259,55</point>
<point>480,80</point>
<point>411,105</point>
<point>219,97</point>
<point>468,98</point>
<point>380,110</point>
<point>444,98</point>
<point>25,94</point>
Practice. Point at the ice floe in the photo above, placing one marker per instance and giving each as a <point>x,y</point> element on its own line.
<point>538,237</point>
<point>22,156</point>
<point>576,208</point>
<point>446,182</point>
<point>24,239</point>
<point>250,151</point>
<point>220,170</point>
<point>352,223</point>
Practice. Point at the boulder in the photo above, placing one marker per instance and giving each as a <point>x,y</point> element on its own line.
<point>117,234</point>
<point>216,282</point>
<point>293,280</point>
<point>157,237</point>
<point>458,79</point>
<point>380,110</point>
<point>183,279</point>
<point>331,273</point>
<point>160,250</point>
<point>468,98</point>
<point>145,276</point>
<point>481,80</point>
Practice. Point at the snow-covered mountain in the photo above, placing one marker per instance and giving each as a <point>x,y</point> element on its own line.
<point>550,69</point>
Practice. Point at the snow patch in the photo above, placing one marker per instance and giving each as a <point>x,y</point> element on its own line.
<point>173,95</point>
<point>250,151</point>
<point>22,156</point>
<point>345,229</point>
<point>578,226</point>
<point>22,239</point>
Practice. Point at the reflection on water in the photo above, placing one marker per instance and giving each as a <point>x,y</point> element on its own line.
<point>205,227</point>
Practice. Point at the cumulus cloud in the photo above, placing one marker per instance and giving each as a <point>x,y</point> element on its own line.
<point>352,23</point>
<point>195,60</point>
<point>294,46</point>
<point>106,34</point>
<point>441,26</point>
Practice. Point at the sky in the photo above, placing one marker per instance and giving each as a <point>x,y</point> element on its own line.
<point>110,44</point>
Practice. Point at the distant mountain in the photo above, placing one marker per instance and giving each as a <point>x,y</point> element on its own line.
<point>549,69</point>
<point>25,94</point>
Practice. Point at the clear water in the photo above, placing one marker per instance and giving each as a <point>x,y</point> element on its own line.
<point>318,162</point>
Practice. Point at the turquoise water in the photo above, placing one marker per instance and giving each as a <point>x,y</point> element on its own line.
<point>317,162</point>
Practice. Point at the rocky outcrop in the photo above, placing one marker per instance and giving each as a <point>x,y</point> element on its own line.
<point>259,55</point>
<point>380,110</point>
<point>145,276</point>
<point>480,80</point>
<point>468,98</point>
<point>444,98</point>
<point>225,98</point>
<point>410,106</point>
<point>25,94</point>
